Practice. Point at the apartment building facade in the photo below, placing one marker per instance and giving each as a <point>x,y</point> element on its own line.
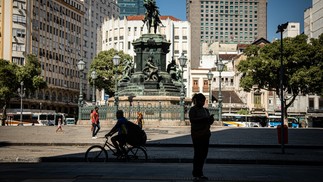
<point>225,21</point>
<point>313,19</point>
<point>95,13</point>
<point>53,30</point>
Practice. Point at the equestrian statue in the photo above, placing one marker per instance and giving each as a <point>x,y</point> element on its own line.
<point>151,15</point>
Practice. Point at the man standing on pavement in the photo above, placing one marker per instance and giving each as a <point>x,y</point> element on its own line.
<point>201,120</point>
<point>95,122</point>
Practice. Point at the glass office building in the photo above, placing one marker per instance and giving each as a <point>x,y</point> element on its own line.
<point>131,7</point>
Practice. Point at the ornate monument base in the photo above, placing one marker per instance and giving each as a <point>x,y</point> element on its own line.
<point>150,77</point>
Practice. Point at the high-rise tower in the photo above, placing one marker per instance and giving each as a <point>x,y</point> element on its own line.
<point>225,21</point>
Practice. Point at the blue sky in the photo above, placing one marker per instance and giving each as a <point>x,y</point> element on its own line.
<point>278,12</point>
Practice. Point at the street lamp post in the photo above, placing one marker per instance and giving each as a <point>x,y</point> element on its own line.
<point>280,29</point>
<point>182,61</point>
<point>21,92</point>
<point>81,66</point>
<point>209,77</point>
<point>93,76</point>
<point>116,62</point>
<point>220,67</point>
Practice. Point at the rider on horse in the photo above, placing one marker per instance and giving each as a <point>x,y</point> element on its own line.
<point>152,15</point>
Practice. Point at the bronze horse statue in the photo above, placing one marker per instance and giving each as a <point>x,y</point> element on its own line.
<point>152,15</point>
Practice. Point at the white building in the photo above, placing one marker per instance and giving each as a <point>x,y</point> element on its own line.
<point>313,19</point>
<point>233,99</point>
<point>292,30</point>
<point>120,33</point>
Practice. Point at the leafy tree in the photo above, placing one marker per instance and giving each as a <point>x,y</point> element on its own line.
<point>302,68</point>
<point>8,85</point>
<point>11,75</point>
<point>243,112</point>
<point>103,65</point>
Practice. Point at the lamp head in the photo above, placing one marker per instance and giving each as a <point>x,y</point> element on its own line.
<point>220,65</point>
<point>182,60</point>
<point>116,59</point>
<point>81,65</point>
<point>209,75</point>
<point>281,28</point>
<point>94,75</point>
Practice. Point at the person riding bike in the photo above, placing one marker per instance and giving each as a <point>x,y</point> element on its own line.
<point>119,140</point>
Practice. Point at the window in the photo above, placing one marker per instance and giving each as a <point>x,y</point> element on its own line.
<point>19,33</point>
<point>18,60</point>
<point>311,103</point>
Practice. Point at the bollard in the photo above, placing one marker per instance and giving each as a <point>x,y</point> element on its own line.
<point>280,135</point>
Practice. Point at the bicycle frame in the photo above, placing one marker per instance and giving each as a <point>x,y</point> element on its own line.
<point>100,152</point>
<point>111,147</point>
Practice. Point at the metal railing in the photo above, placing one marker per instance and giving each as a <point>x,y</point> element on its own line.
<point>158,112</point>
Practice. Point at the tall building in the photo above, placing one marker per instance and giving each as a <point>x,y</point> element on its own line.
<point>51,30</point>
<point>59,33</point>
<point>95,13</point>
<point>131,7</point>
<point>313,19</point>
<point>225,21</point>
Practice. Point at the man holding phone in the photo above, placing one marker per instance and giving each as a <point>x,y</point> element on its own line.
<point>201,120</point>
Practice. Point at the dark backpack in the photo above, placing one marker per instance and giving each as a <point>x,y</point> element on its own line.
<point>135,136</point>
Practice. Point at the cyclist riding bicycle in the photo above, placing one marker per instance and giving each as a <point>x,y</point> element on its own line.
<point>119,140</point>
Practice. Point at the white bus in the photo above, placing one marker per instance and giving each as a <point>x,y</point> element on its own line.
<point>238,120</point>
<point>33,119</point>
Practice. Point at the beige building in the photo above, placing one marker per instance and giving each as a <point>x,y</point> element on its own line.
<point>313,19</point>
<point>225,21</point>
<point>56,32</point>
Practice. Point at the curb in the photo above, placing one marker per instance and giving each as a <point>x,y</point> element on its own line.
<point>190,160</point>
<point>3,144</point>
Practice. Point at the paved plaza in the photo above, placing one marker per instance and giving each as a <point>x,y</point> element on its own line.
<point>236,154</point>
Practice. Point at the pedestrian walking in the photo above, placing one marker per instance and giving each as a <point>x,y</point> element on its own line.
<point>95,122</point>
<point>59,125</point>
<point>140,119</point>
<point>201,120</point>
<point>91,120</point>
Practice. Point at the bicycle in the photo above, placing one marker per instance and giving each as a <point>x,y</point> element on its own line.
<point>98,153</point>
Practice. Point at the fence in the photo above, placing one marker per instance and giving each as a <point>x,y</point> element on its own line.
<point>152,113</point>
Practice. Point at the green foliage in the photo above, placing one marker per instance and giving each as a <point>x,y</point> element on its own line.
<point>30,74</point>
<point>103,65</point>
<point>11,75</point>
<point>8,80</point>
<point>303,71</point>
<point>243,112</point>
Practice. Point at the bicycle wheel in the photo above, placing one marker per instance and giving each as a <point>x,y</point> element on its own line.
<point>137,154</point>
<point>96,153</point>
